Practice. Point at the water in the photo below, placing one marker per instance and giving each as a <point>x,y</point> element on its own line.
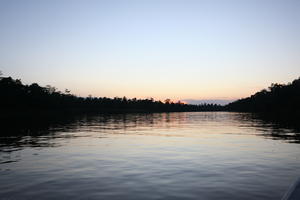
<point>150,156</point>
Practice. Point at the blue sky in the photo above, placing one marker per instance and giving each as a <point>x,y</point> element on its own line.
<point>224,49</point>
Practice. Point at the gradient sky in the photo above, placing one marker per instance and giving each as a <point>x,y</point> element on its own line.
<point>211,49</point>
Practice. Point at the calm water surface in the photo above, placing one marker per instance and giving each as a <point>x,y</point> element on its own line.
<point>151,156</point>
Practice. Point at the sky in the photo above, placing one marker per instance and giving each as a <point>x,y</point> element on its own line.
<point>184,50</point>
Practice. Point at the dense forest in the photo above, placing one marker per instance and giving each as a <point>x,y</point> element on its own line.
<point>16,97</point>
<point>277,99</point>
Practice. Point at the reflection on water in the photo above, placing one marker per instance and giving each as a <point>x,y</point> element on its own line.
<point>209,155</point>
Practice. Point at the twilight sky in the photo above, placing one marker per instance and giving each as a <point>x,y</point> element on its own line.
<point>205,49</point>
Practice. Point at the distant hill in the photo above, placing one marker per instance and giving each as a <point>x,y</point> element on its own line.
<point>278,98</point>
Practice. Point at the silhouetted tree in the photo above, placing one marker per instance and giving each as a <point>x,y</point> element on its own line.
<point>67,91</point>
<point>279,98</point>
<point>168,101</point>
<point>50,89</point>
<point>14,96</point>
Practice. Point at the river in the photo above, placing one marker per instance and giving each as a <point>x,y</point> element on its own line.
<point>188,155</point>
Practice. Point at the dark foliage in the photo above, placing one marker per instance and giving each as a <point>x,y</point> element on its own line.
<point>16,97</point>
<point>278,98</point>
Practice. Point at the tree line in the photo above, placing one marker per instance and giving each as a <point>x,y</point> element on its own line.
<point>16,96</point>
<point>278,98</point>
